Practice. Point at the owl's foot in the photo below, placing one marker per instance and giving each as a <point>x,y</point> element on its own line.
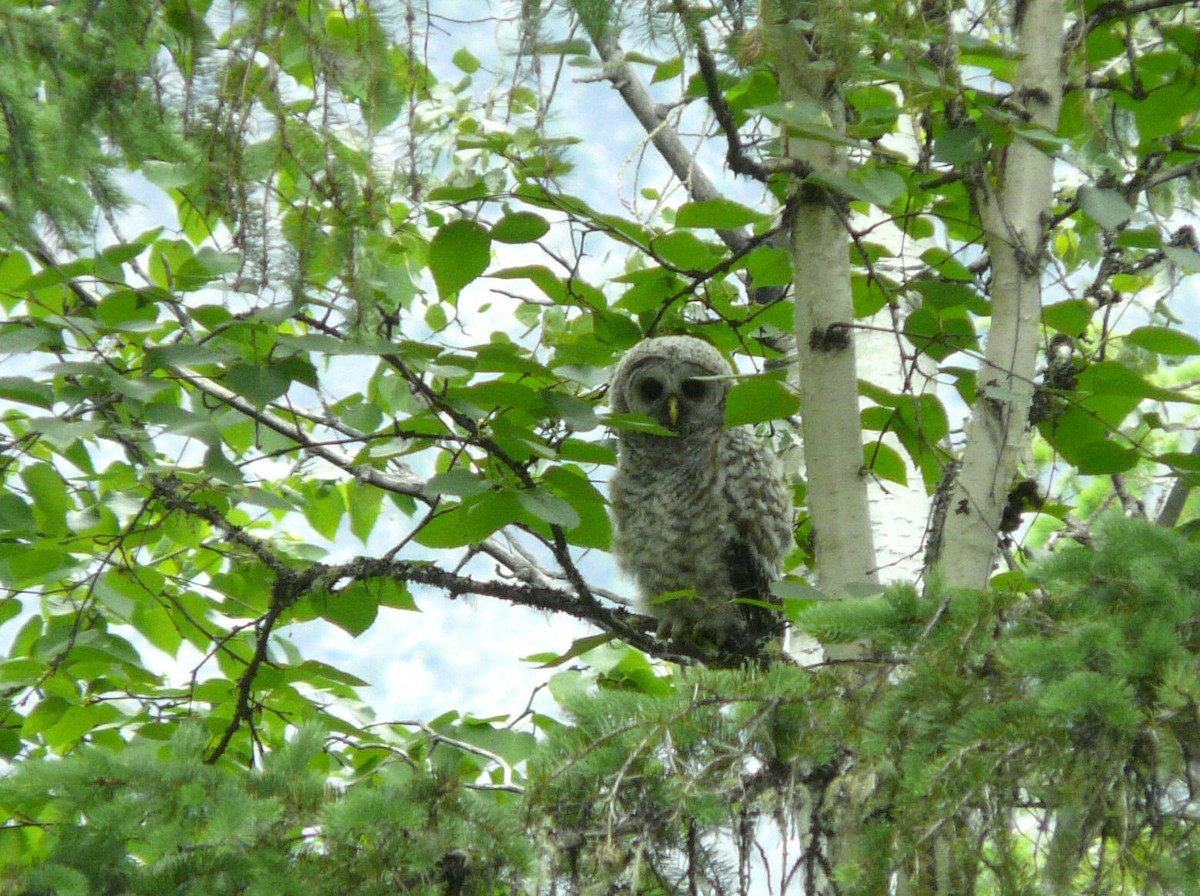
<point>726,634</point>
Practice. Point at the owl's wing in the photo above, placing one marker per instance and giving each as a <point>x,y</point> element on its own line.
<point>761,505</point>
<point>751,576</point>
<point>760,502</point>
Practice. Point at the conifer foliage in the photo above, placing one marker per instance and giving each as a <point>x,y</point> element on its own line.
<point>306,317</point>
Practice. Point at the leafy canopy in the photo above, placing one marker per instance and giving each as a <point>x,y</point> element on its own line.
<point>378,290</point>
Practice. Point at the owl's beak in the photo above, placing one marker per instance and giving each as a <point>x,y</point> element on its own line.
<point>673,409</point>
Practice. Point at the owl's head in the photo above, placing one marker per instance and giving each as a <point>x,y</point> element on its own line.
<point>671,380</point>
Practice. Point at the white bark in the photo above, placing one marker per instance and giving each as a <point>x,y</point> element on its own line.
<point>824,318</point>
<point>1013,207</point>
<point>899,513</point>
<point>828,371</point>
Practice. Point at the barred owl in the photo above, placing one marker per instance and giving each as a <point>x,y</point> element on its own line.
<point>705,510</point>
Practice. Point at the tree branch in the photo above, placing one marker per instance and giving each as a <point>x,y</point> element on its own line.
<point>1172,507</point>
<point>284,593</point>
<point>665,138</point>
<point>1115,9</point>
<point>735,155</point>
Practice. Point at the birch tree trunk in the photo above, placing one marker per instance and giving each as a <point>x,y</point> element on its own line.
<point>1014,200</point>
<point>809,80</point>
<point>832,430</point>
<point>899,513</point>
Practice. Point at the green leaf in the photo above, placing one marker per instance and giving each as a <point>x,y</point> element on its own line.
<point>1104,457</point>
<point>216,464</point>
<point>1164,341</point>
<point>947,265</point>
<point>769,266</point>
<point>520,227</point>
<point>961,146</point>
<point>1185,257</point>
<point>78,721</point>
<point>883,185</point>
<point>456,482</point>
<point>851,187</point>
<point>1162,112</point>
<point>26,391</point>
<point>885,462</point>
<point>665,71</point>
<point>63,435</point>
<point>465,61</point>
<point>549,508</point>
<point>181,422</point>
<point>436,318</point>
<point>353,609</point>
<point>806,118</point>
<point>1112,378</point>
<point>583,452</point>
<point>260,383</point>
<point>154,622</point>
<point>758,399</point>
<point>50,498</point>
<point>1107,208</point>
<point>324,506</point>
<point>684,250</point>
<point>471,521</point>
<point>594,529</point>
<point>10,608</point>
<point>651,289</point>
<point>575,412</point>
<point>876,108</point>
<point>939,335</point>
<point>218,263</point>
<point>796,589</point>
<point>718,214</point>
<point>1070,317</point>
<point>167,175</point>
<point>364,503</point>
<point>938,295</point>
<point>16,515</point>
<point>636,423</point>
<point>578,647</point>
<point>1180,461</point>
<point>459,252</point>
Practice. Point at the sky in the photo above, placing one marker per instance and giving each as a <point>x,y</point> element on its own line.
<point>468,654</point>
<point>465,654</point>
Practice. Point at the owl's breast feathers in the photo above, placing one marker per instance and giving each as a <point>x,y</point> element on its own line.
<point>716,520</point>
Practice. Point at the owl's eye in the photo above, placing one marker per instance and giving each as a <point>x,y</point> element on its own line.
<point>650,389</point>
<point>694,390</point>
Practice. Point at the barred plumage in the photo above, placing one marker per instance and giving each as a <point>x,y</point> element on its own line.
<point>705,510</point>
